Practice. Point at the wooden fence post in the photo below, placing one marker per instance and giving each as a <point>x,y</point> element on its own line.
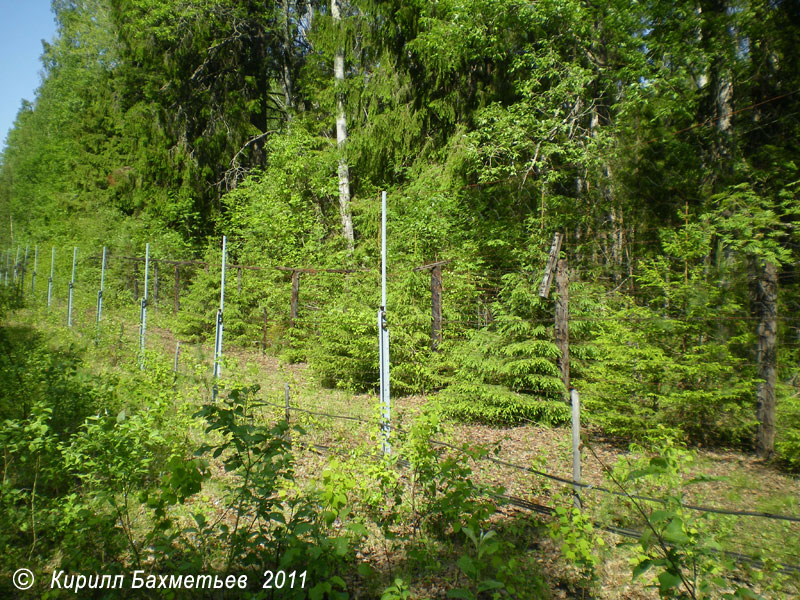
<point>264,331</point>
<point>239,281</point>
<point>436,307</point>
<point>764,302</point>
<point>295,297</point>
<point>562,320</point>
<point>436,300</point>
<point>177,304</point>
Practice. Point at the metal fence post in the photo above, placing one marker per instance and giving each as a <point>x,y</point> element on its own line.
<point>287,411</point>
<point>35,266</point>
<point>218,332</point>
<point>50,281</point>
<point>22,275</point>
<point>177,353</point>
<point>100,291</point>
<point>72,285</point>
<point>143,312</point>
<point>576,444</point>
<point>383,340</point>
<point>16,265</point>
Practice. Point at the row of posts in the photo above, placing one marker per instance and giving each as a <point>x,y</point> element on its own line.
<point>555,266</point>
<point>20,268</point>
<point>18,274</point>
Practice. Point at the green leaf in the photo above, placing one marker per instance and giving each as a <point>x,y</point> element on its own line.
<point>668,581</point>
<point>642,568</point>
<point>674,532</point>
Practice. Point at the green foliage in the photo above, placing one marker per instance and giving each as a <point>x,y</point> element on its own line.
<point>683,548</point>
<point>787,441</point>
<point>677,362</point>
<point>474,565</point>
<point>443,493</point>
<point>506,372</point>
<point>397,591</point>
<point>579,540</point>
<point>276,525</point>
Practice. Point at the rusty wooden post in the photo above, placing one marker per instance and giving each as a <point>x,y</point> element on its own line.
<point>295,297</point>
<point>436,307</point>
<point>155,283</point>
<point>239,281</point>
<point>552,259</point>
<point>436,300</point>
<point>177,304</point>
<point>264,341</point>
<point>562,316</point>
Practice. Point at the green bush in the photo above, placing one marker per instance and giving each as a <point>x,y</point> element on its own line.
<point>506,373</point>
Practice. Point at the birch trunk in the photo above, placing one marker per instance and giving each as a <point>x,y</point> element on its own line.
<point>341,133</point>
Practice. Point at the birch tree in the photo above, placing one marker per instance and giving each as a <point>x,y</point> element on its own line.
<point>341,129</point>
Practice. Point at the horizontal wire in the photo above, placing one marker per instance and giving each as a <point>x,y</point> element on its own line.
<point>563,480</point>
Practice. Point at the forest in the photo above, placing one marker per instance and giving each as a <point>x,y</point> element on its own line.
<point>591,202</point>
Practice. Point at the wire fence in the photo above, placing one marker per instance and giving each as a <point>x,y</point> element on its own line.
<point>18,275</point>
<point>544,474</point>
<point>549,510</point>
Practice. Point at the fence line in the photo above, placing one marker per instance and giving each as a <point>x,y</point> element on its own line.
<point>620,531</point>
<point>552,477</point>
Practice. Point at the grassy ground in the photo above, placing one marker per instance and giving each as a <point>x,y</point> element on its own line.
<point>737,480</point>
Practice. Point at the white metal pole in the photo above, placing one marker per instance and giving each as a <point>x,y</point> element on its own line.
<point>383,250</point>
<point>218,336</point>
<point>72,285</point>
<point>143,319</point>
<point>383,339</point>
<point>24,268</point>
<point>16,264</point>
<point>52,271</point>
<point>35,266</point>
<point>576,444</point>
<point>102,283</point>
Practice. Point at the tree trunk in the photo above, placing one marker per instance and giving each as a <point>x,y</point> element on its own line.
<point>341,132</point>
<point>764,303</point>
<point>288,81</point>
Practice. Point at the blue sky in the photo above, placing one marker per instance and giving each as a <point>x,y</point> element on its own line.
<point>23,26</point>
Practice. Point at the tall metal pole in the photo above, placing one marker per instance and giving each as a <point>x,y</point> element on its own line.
<point>24,268</point>
<point>16,264</point>
<point>218,333</point>
<point>72,285</point>
<point>102,283</point>
<point>35,266</point>
<point>143,314</point>
<point>50,281</point>
<point>383,339</point>
<point>576,444</point>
